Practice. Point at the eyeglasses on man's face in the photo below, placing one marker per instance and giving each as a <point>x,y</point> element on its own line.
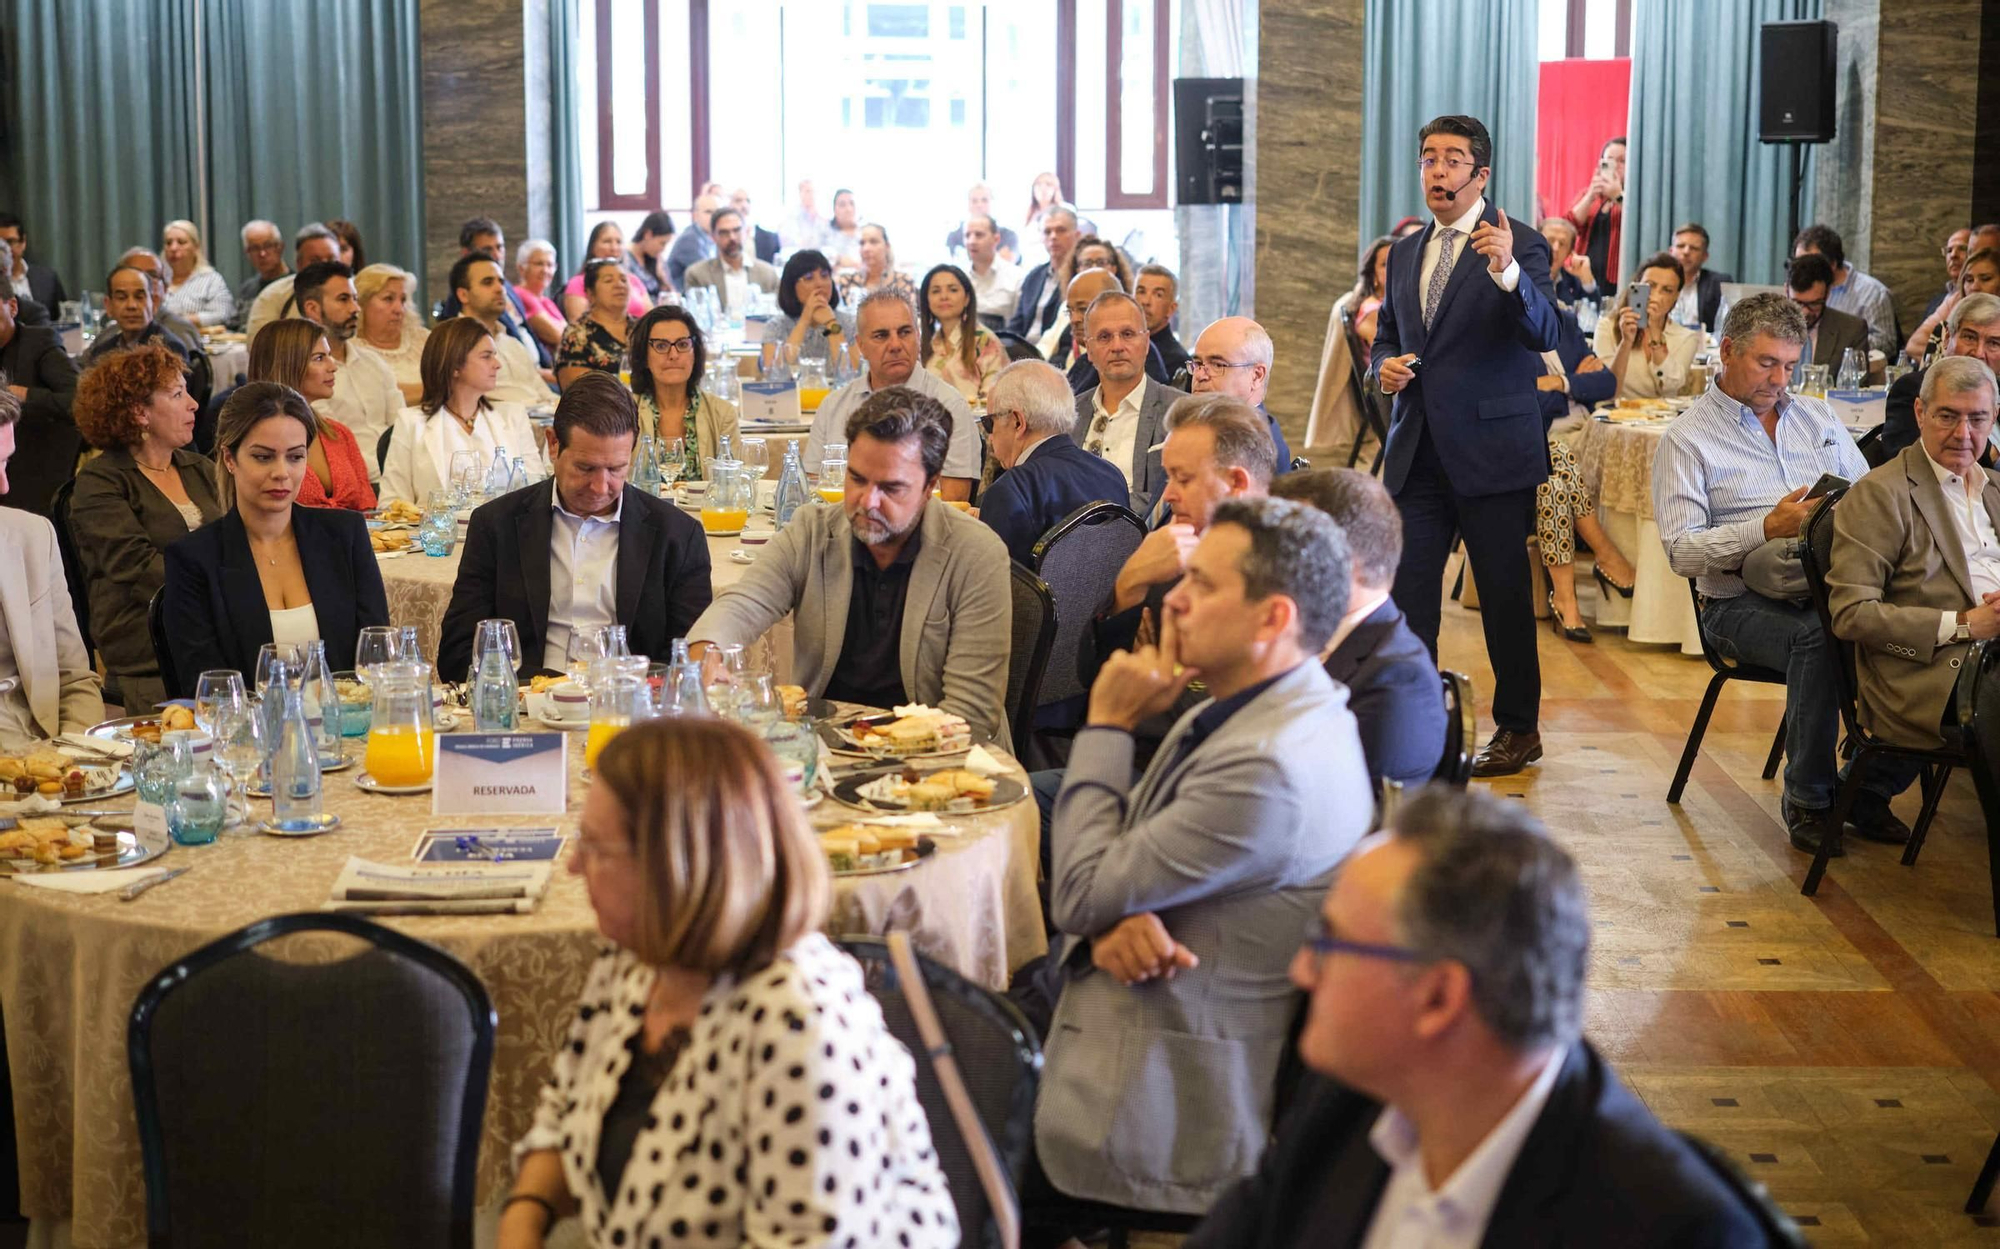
<point>1321,942</point>
<point>1200,366</point>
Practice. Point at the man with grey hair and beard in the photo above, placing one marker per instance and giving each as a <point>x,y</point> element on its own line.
<point>1445,977</point>
<point>898,597</point>
<point>1029,414</point>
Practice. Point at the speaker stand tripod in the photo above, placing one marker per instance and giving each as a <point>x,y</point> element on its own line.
<point>1798,187</point>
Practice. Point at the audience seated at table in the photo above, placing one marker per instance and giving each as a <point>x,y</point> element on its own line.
<point>47,686</point>
<point>1454,1099</point>
<point>996,282</point>
<point>886,336</point>
<point>155,269</point>
<point>35,281</point>
<point>457,413</point>
<point>811,324</point>
<point>955,347</point>
<point>1573,280</point>
<point>583,548</point>
<point>1029,416</point>
<point>1158,292</point>
<point>1042,288</point>
<point>599,337</point>
<point>391,328</point>
<point>1076,352</point>
<point>28,311</point>
<point>353,253</point>
<point>1915,576</point>
<point>978,204</point>
<point>1649,361</point>
<point>1091,253</point>
<point>312,244</point>
<point>694,243</point>
<point>1701,287</point>
<point>264,249</point>
<point>730,273</point>
<point>1393,686</point>
<point>146,491</point>
<point>1234,356</point>
<point>502,311</point>
<point>295,353</point>
<point>668,367</point>
<point>757,241</point>
<point>1180,891</point>
<point>1573,379</point>
<point>267,570</point>
<point>1979,275</point>
<point>37,374</point>
<point>876,271</point>
<point>132,305</point>
<point>1972,330</point>
<point>480,288</point>
<point>1852,291</point>
<point>606,242</point>
<point>898,597</point>
<point>727,1065</point>
<point>1831,332</point>
<point>1719,494</point>
<point>841,240</point>
<point>195,291</point>
<point>534,286</point>
<point>365,398</point>
<point>645,254</point>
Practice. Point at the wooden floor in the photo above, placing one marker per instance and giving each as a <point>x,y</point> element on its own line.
<point>1846,1048</point>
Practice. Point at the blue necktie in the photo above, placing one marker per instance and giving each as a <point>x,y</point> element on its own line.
<point>1440,275</point>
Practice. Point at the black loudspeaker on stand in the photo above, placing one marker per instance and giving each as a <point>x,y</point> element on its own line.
<point>1796,92</point>
<point>1208,140</point>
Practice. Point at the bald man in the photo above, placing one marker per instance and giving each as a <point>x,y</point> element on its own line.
<point>1233,356</point>
<point>693,244</point>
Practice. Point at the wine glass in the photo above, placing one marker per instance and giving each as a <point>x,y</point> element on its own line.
<point>239,746</point>
<point>465,476</point>
<point>498,635</point>
<point>272,653</point>
<point>378,645</point>
<point>216,688</point>
<point>585,645</point>
<point>722,678</point>
<point>673,457</point>
<point>756,456</point>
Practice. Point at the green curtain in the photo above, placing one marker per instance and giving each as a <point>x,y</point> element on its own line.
<point>1426,57</point>
<point>313,114</point>
<point>566,163</point>
<point>1694,154</point>
<point>100,108</point>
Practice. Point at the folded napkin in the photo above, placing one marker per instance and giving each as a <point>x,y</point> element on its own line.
<point>33,804</point>
<point>915,819</point>
<point>96,745</point>
<point>100,881</point>
<point>981,762</point>
<point>460,889</point>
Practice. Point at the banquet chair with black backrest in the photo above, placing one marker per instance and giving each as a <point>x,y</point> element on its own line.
<point>284,1099</point>
<point>1366,404</point>
<point>79,591</point>
<point>1461,730</point>
<point>1034,634</point>
<point>1016,347</point>
<point>1871,448</point>
<point>1979,730</point>
<point>1780,1232</point>
<point>1079,558</point>
<point>1815,555</point>
<point>382,449</point>
<point>1725,671</point>
<point>998,1057</point>
<point>163,651</point>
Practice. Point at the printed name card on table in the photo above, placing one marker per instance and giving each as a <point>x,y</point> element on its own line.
<point>501,774</point>
<point>771,401</point>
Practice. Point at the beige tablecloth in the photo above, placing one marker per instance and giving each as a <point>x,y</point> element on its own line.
<point>1617,457</point>
<point>71,967</point>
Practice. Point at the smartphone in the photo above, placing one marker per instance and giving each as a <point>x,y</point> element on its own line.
<point>1826,482</point>
<point>1641,299</point>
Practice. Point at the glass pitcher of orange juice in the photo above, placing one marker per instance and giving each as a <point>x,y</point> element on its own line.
<point>813,386</point>
<point>726,506</point>
<point>833,472</point>
<point>402,738</point>
<point>617,702</point>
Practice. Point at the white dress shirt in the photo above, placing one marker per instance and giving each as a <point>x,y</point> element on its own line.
<point>1413,1215</point>
<point>17,719</point>
<point>366,399</point>
<point>520,375</point>
<point>961,457</point>
<point>735,287</point>
<point>998,289</point>
<point>583,577</point>
<point>1120,430</point>
<point>1975,537</point>
<point>1461,246</point>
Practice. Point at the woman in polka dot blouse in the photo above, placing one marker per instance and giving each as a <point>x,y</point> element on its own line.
<point>727,1079</point>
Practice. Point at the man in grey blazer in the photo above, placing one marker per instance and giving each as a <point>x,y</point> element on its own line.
<point>1915,574</point>
<point>1124,416</point>
<point>729,273</point>
<point>898,597</point>
<point>1183,896</point>
<point>1831,332</point>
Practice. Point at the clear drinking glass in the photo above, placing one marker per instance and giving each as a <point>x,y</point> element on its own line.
<point>214,688</point>
<point>239,748</point>
<point>278,652</point>
<point>756,456</point>
<point>197,808</point>
<point>673,455</point>
<point>616,703</point>
<point>758,703</point>
<point>377,645</point>
<point>500,635</point>
<point>722,678</point>
<point>585,645</point>
<point>796,744</point>
<point>467,474</point>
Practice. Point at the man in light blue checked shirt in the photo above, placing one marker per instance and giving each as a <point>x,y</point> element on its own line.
<point>1732,474</point>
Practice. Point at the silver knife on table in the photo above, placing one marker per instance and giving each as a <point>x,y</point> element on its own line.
<point>136,888</point>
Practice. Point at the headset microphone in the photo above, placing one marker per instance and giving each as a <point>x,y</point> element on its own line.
<point>1451,194</point>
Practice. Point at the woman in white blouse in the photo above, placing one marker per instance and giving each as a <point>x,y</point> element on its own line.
<point>195,291</point>
<point>727,1079</point>
<point>460,366</point>
<point>1652,363</point>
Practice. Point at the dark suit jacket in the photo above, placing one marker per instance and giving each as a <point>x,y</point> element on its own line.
<point>1060,477</point>
<point>766,244</point>
<point>1837,332</point>
<point>215,603</point>
<point>1708,295</point>
<point>46,441</point>
<point>1570,290</point>
<point>1023,321</point>
<point>1172,354</point>
<point>123,526</point>
<point>45,287</point>
<point>1278,441</point>
<point>1475,383</point>
<point>663,575</point>
<point>1899,419</point>
<point>1585,388</point>
<point>1396,695</point>
<point>1596,1169</point>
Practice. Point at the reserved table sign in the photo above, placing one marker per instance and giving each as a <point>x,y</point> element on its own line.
<point>501,774</point>
<point>771,401</point>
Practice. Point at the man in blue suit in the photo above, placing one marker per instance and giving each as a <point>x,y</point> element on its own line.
<point>1030,412</point>
<point>1459,342</point>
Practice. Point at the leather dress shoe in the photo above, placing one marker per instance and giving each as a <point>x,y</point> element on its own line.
<point>1806,825</point>
<point>1872,820</point>
<point>1507,752</point>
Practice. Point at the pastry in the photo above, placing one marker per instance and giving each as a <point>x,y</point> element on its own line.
<point>174,718</point>
<point>930,795</point>
<point>794,698</point>
<point>842,852</point>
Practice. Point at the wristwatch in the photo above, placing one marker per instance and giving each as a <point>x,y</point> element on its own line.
<point>1963,633</point>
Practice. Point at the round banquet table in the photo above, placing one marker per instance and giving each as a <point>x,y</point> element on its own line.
<point>1617,457</point>
<point>71,966</point>
<point>419,589</point>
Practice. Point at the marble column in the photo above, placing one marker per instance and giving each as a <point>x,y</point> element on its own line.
<point>1307,146</point>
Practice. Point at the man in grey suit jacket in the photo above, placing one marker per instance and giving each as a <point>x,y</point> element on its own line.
<point>1115,399</point>
<point>1832,332</point>
<point>1183,896</point>
<point>1915,573</point>
<point>898,597</point>
<point>729,265</point>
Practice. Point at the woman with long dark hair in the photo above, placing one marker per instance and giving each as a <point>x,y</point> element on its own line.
<point>953,345</point>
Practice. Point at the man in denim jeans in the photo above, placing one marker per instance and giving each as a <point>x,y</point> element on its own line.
<point>1732,473</point>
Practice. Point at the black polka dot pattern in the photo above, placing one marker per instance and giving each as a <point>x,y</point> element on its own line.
<point>791,1117</point>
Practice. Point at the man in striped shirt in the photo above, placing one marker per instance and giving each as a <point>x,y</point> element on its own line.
<point>1732,473</point>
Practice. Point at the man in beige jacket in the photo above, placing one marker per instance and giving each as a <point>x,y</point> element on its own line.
<point>47,686</point>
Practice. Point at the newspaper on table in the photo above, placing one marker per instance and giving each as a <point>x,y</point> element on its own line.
<point>455,889</point>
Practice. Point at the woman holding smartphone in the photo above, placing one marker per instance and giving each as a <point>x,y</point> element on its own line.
<point>1649,354</point>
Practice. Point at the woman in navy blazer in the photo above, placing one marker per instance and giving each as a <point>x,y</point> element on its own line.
<point>267,569</point>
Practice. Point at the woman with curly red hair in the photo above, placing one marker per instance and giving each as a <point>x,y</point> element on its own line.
<point>145,491</point>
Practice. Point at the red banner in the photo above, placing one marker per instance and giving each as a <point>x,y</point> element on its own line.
<point>1580,104</point>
